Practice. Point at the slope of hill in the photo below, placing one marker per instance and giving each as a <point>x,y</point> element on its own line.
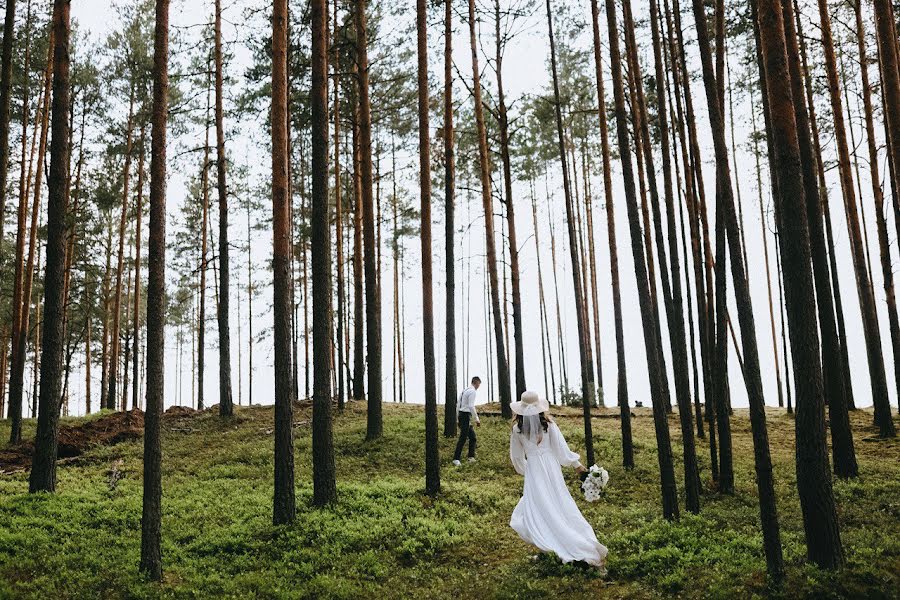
<point>385,539</point>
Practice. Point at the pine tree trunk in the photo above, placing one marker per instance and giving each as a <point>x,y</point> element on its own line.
<point>887,45</point>
<point>19,314</point>
<point>842,436</point>
<point>151,552</point>
<point>43,468</point>
<point>450,390</point>
<point>503,123</point>
<point>432,458</point>
<point>374,423</point>
<point>826,212</point>
<point>120,269</point>
<point>883,240</point>
<point>676,307</point>
<point>204,249</point>
<point>324,490</point>
<point>339,217</point>
<point>284,506</point>
<point>813,478</point>
<point>587,368</point>
<point>5,93</point>
<point>664,446</point>
<point>726,220</point>
<point>503,382</point>
<point>864,288</point>
<point>622,379</point>
<point>359,365</point>
<point>225,395</point>
<point>136,335</point>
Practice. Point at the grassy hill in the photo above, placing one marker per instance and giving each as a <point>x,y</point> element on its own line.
<point>385,539</point>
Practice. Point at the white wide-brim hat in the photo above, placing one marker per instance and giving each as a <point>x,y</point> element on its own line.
<point>530,404</point>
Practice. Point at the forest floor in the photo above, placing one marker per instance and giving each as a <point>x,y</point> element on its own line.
<point>384,538</point>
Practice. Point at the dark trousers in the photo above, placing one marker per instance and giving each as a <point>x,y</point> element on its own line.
<point>466,431</point>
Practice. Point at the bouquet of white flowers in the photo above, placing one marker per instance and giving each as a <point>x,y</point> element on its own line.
<point>593,483</point>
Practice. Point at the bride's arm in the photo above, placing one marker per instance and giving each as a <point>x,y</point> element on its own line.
<point>560,448</point>
<point>517,452</point>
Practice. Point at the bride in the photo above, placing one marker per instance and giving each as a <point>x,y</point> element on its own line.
<point>547,516</point>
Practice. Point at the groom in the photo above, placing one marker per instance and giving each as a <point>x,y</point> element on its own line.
<point>465,414</point>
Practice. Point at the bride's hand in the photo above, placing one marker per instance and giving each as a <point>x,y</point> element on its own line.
<point>580,469</point>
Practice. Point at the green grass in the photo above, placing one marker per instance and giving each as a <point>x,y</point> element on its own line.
<point>384,538</point>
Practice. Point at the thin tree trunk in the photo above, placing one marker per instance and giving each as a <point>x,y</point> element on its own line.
<point>339,215</point>
<point>43,466</point>
<point>284,505</point>
<point>842,436</point>
<point>664,446</point>
<point>883,240</point>
<point>5,93</point>
<point>450,390</point>
<point>432,458</point>
<point>359,365</point>
<point>324,490</point>
<point>867,307</point>
<point>137,271</point>
<point>622,379</point>
<point>374,423</point>
<point>503,382</point>
<point>117,305</point>
<point>226,408</point>
<point>503,122</point>
<point>151,552</point>
<point>204,249</point>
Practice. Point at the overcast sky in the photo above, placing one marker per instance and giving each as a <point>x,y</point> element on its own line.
<point>524,72</point>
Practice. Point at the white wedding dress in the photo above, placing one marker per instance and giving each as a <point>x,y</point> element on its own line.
<point>547,516</point>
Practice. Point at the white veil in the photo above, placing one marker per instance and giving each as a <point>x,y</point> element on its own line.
<point>532,429</point>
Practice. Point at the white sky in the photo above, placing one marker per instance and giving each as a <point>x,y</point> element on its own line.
<point>524,71</point>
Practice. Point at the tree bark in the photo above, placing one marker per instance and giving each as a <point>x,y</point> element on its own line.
<point>374,423</point>
<point>813,477</point>
<point>432,458</point>
<point>226,405</point>
<point>450,390</point>
<point>9,25</point>
<point>842,436</point>
<point>503,383</point>
<point>867,307</point>
<point>43,467</point>
<point>284,505</point>
<point>151,552</point>
<point>503,124</point>
<point>117,304</point>
<point>663,442</point>
<point>622,380</point>
<point>324,489</point>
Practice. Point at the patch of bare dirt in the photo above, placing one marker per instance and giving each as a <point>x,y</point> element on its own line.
<point>75,440</point>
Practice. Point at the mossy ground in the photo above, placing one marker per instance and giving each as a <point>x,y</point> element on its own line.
<point>385,539</point>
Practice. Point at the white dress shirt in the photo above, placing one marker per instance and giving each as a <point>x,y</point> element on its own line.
<point>467,403</point>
